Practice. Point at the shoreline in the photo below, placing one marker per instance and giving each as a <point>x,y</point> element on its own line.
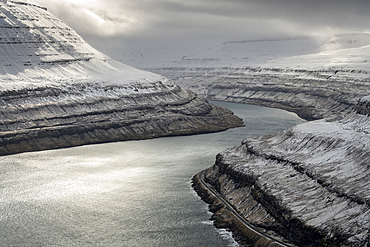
<point>225,216</point>
<point>56,137</point>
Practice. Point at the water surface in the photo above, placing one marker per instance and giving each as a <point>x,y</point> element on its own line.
<point>135,193</point>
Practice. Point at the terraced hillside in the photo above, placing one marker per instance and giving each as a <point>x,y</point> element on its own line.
<point>57,91</point>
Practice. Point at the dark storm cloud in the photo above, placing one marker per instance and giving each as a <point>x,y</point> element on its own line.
<point>211,17</point>
<point>327,11</point>
<point>126,23</point>
<point>309,14</point>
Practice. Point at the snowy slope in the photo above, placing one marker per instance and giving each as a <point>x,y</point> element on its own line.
<point>57,91</point>
<point>345,52</point>
<point>36,48</point>
<point>346,41</point>
<point>249,52</point>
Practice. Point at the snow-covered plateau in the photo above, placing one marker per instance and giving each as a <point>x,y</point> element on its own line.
<point>57,91</point>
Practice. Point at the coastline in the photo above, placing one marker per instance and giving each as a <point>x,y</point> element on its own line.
<point>226,216</point>
<point>114,129</point>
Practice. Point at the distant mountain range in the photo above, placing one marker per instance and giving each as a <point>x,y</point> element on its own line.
<point>343,51</point>
<point>249,52</point>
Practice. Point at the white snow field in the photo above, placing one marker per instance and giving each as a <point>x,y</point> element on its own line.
<point>342,51</point>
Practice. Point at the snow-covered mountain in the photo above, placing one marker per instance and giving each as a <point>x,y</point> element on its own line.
<point>57,91</point>
<point>228,54</point>
<point>307,185</point>
<point>37,49</point>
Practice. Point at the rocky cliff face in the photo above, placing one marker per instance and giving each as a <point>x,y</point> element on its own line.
<point>57,91</point>
<point>312,94</point>
<point>308,184</point>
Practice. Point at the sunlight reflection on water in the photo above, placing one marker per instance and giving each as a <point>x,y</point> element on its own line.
<point>134,193</point>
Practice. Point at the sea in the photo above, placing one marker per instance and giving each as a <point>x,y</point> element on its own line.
<point>134,193</point>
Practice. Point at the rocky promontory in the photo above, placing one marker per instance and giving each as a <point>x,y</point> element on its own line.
<point>57,91</point>
<point>308,184</point>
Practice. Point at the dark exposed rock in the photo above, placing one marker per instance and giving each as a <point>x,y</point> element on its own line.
<point>363,106</point>
<point>223,218</point>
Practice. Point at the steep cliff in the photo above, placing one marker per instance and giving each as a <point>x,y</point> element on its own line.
<point>57,91</point>
<point>308,184</point>
<point>312,94</point>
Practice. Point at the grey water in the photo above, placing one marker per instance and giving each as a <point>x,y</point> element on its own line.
<point>135,193</point>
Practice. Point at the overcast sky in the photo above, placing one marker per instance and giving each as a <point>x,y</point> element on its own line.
<point>112,25</point>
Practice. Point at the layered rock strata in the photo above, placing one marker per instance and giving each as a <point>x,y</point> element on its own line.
<point>312,94</point>
<point>308,184</point>
<point>57,91</point>
<point>46,118</point>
